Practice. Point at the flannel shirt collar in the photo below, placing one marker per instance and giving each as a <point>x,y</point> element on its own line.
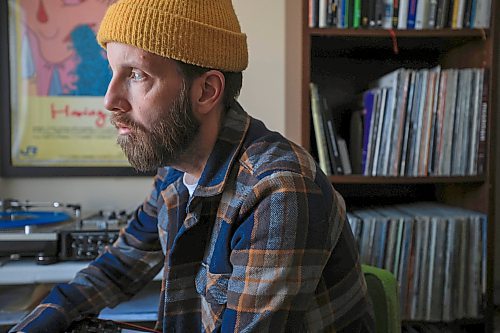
<point>231,136</point>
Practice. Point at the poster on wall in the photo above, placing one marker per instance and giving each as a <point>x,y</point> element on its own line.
<point>58,77</point>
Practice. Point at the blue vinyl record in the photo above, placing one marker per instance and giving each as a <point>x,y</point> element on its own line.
<point>21,219</point>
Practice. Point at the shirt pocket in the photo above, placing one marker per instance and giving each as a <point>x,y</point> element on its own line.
<point>213,287</point>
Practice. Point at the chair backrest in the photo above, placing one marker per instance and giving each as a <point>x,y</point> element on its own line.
<point>384,293</point>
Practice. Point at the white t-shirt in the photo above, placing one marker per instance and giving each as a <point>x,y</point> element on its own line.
<point>191,187</point>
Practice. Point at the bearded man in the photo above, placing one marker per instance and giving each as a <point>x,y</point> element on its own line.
<point>249,232</point>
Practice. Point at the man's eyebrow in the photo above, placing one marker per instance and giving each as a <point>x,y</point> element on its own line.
<point>132,64</point>
<point>137,62</point>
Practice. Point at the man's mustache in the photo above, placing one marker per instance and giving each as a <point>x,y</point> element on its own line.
<point>122,119</point>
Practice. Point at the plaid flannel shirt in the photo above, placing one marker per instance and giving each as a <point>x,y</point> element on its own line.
<point>262,246</point>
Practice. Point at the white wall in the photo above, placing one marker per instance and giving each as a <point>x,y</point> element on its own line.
<point>92,193</point>
<point>263,81</point>
<point>263,95</point>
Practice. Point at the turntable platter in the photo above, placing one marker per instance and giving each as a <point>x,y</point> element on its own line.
<point>23,218</point>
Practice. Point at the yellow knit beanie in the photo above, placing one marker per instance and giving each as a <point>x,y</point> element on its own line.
<point>205,33</point>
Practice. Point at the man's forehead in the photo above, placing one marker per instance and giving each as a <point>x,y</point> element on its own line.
<point>128,53</point>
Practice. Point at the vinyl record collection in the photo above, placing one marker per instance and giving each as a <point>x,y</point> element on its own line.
<point>437,253</point>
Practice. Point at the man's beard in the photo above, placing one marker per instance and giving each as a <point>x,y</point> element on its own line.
<point>171,134</point>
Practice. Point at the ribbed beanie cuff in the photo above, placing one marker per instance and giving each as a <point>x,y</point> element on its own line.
<point>205,33</point>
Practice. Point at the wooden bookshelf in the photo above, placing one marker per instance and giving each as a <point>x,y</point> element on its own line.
<point>343,61</point>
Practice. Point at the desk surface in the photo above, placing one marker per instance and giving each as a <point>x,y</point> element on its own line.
<point>26,271</point>
<point>17,301</point>
<point>23,285</point>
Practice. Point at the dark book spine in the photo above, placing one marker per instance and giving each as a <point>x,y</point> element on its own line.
<point>449,19</point>
<point>372,20</point>
<point>483,127</point>
<point>365,10</point>
<point>395,13</point>
<point>331,140</point>
<point>336,160</point>
<point>442,14</point>
<point>348,13</point>
<point>379,12</point>
<point>467,14</point>
<point>332,13</point>
<point>350,20</point>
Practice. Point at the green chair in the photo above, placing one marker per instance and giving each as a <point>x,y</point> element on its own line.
<point>384,293</point>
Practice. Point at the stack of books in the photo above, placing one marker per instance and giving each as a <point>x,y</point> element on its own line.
<point>333,155</point>
<point>400,14</point>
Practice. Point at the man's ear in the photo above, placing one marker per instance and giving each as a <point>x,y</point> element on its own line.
<point>208,91</point>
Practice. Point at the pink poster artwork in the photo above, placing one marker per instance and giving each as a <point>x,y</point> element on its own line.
<point>59,52</point>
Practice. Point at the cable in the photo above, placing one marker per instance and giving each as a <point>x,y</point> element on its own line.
<point>146,329</point>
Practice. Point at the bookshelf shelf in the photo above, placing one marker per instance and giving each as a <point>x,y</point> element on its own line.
<point>358,179</point>
<point>335,41</point>
<point>383,33</point>
<point>342,63</point>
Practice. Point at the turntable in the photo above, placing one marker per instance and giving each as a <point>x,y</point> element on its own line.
<point>54,231</point>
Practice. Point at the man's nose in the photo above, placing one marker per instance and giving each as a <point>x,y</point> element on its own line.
<point>115,99</point>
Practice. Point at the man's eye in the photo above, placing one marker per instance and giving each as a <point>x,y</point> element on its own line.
<point>136,76</point>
